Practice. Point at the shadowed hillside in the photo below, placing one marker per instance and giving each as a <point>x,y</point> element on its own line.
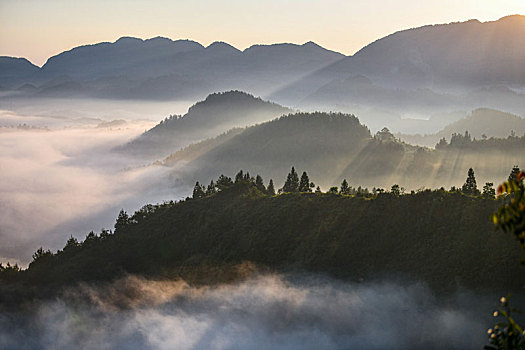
<point>218,113</point>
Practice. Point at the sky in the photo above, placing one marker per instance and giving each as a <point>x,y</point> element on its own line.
<point>39,29</point>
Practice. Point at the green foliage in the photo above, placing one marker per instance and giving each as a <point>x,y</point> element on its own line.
<point>259,183</point>
<point>333,190</point>
<point>224,182</point>
<point>507,334</point>
<point>395,190</point>
<point>488,190</point>
<point>511,217</point>
<point>513,176</point>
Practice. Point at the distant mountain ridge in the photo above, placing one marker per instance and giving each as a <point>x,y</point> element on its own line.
<point>160,68</point>
<point>461,54</point>
<point>414,72</point>
<point>218,113</point>
<point>336,146</point>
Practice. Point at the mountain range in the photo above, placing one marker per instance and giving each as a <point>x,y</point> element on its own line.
<point>409,71</point>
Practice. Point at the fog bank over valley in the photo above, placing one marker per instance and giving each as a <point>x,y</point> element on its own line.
<point>60,177</point>
<point>263,312</point>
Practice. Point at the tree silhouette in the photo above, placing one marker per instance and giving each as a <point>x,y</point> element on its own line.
<point>513,176</point>
<point>224,182</point>
<point>292,182</point>
<point>345,189</point>
<point>488,190</point>
<point>395,190</point>
<point>470,186</point>
<point>198,191</point>
<point>304,185</point>
<point>271,189</point>
<point>211,189</point>
<point>259,183</point>
<point>123,220</point>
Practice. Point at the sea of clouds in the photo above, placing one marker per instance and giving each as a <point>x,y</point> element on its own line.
<point>263,312</point>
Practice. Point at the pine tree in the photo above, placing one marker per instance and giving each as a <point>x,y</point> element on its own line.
<point>304,185</point>
<point>395,190</point>
<point>318,189</point>
<point>259,183</point>
<point>271,189</point>
<point>292,182</point>
<point>345,189</point>
<point>514,173</point>
<point>198,191</point>
<point>239,177</point>
<point>122,220</point>
<point>224,182</point>
<point>470,186</point>
<point>211,189</point>
<point>488,190</point>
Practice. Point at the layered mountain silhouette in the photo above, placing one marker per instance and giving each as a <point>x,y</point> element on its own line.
<point>334,146</point>
<point>218,113</point>
<point>428,62</point>
<point>160,68</point>
<point>15,71</point>
<point>481,123</point>
<point>448,56</point>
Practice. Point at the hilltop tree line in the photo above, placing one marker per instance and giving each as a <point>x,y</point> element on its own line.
<point>294,184</point>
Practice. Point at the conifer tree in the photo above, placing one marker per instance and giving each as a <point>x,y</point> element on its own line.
<point>223,182</point>
<point>239,177</point>
<point>470,186</point>
<point>304,184</point>
<point>122,220</point>
<point>198,191</point>
<point>211,189</point>
<point>514,173</point>
<point>395,190</point>
<point>345,189</point>
<point>259,183</point>
<point>292,182</point>
<point>271,189</point>
<point>488,190</point>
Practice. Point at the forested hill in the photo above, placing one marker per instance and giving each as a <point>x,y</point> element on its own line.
<point>218,113</point>
<point>324,143</point>
<point>334,146</point>
<point>444,239</point>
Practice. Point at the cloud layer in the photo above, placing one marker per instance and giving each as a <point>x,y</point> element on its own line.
<point>265,312</point>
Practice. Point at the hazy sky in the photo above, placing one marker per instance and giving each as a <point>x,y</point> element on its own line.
<point>38,29</point>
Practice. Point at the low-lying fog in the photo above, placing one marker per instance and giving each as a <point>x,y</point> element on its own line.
<point>59,177</point>
<point>265,312</point>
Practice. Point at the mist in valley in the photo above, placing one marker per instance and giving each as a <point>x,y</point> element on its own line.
<point>61,177</point>
<point>265,311</point>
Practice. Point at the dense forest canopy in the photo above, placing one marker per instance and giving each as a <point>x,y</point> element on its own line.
<point>431,236</point>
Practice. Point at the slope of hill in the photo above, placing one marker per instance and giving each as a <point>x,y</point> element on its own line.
<point>160,68</point>
<point>320,142</point>
<point>14,71</point>
<point>218,113</point>
<point>336,146</point>
<point>435,56</point>
<point>481,123</point>
<point>443,239</point>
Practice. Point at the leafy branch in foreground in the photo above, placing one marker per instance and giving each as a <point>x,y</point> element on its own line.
<point>506,334</point>
<point>510,218</point>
